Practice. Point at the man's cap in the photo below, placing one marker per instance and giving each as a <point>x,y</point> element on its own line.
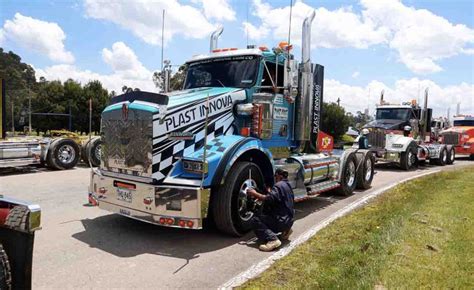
<point>281,172</point>
<point>365,131</point>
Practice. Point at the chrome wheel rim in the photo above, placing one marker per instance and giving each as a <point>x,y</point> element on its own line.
<point>350,174</point>
<point>245,212</point>
<point>368,166</point>
<point>66,154</point>
<point>97,151</point>
<point>444,157</point>
<point>411,159</point>
<point>452,155</point>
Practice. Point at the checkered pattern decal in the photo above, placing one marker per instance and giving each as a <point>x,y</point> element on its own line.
<point>166,152</point>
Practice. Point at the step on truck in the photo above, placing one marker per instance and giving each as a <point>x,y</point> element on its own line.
<point>18,223</point>
<point>402,134</point>
<point>174,159</point>
<point>62,150</point>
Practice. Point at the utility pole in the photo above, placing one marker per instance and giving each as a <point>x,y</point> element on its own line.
<point>13,121</point>
<point>29,112</point>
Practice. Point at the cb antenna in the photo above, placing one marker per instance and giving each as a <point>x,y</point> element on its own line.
<point>162,39</point>
<point>247,26</point>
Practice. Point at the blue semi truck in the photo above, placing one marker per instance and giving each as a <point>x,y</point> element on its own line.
<point>174,159</point>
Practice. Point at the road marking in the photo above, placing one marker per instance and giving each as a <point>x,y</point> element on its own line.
<point>263,265</point>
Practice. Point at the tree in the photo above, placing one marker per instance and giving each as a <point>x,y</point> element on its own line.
<point>176,80</point>
<point>334,120</point>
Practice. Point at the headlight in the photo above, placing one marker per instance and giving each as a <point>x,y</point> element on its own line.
<point>194,166</point>
<point>397,145</point>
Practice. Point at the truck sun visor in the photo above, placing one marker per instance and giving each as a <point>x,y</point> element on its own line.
<point>141,96</point>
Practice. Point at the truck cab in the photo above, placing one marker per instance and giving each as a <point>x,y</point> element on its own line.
<point>172,158</point>
<point>461,135</point>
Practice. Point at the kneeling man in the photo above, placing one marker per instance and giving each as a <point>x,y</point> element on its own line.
<point>277,215</point>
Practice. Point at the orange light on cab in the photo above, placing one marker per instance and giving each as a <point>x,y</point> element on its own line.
<point>245,131</point>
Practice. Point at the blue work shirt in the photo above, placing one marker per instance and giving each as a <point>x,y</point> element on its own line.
<point>279,202</point>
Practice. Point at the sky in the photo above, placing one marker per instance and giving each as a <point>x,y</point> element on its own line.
<point>366,46</point>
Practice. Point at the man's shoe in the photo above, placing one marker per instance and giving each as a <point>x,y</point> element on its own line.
<point>286,234</point>
<point>270,246</point>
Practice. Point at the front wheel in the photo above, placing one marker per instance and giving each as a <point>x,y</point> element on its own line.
<point>232,208</point>
<point>348,177</point>
<point>64,154</point>
<point>408,158</point>
<point>5,273</point>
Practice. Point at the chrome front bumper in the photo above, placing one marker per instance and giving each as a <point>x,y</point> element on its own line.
<point>166,205</point>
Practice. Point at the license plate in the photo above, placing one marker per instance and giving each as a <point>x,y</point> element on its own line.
<point>124,194</point>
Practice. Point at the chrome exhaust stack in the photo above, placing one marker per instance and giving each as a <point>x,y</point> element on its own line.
<point>304,103</point>
<point>214,37</point>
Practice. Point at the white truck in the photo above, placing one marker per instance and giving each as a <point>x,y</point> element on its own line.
<point>402,134</point>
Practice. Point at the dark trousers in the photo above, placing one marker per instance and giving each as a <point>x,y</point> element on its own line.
<point>266,227</point>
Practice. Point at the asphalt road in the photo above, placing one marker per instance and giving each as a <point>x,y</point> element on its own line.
<point>85,247</point>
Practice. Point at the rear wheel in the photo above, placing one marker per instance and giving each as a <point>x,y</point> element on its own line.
<point>471,156</point>
<point>451,155</point>
<point>348,177</point>
<point>232,208</point>
<point>5,272</point>
<point>408,158</point>
<point>443,157</point>
<point>64,154</point>
<point>365,172</point>
<point>92,152</point>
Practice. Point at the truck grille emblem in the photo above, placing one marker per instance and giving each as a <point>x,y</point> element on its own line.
<point>125,112</point>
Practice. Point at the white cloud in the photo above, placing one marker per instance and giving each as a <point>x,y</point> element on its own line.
<point>331,29</point>
<point>356,98</point>
<point>46,38</point>
<point>355,74</point>
<point>255,33</point>
<point>144,18</point>
<point>420,37</point>
<point>123,61</point>
<point>127,70</point>
<point>217,9</point>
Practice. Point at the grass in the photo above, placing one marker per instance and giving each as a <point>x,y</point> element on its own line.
<point>417,235</point>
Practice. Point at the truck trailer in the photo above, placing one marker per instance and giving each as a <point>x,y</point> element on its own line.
<point>62,150</point>
<point>174,159</point>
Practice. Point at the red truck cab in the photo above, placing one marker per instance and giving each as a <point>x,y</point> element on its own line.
<point>461,135</point>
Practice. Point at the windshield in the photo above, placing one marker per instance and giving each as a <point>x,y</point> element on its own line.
<point>237,72</point>
<point>393,113</point>
<point>464,123</point>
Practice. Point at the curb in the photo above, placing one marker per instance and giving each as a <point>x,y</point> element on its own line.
<point>263,265</point>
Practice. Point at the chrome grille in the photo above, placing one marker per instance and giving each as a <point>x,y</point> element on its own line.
<point>376,138</point>
<point>127,147</point>
<point>451,138</point>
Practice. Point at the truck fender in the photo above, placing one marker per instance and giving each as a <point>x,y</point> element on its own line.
<point>247,149</point>
<point>398,139</point>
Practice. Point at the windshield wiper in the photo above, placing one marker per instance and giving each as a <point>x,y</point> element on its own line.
<point>220,83</point>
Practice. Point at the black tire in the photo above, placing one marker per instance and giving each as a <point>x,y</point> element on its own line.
<point>408,158</point>
<point>365,171</point>
<point>451,155</point>
<point>63,154</point>
<point>443,157</point>
<point>471,157</point>
<point>348,176</point>
<point>17,218</point>
<point>227,199</point>
<point>92,152</point>
<point>5,270</point>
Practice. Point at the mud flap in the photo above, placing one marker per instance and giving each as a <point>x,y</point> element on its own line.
<point>19,248</point>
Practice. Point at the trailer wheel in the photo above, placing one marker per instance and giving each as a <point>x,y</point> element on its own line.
<point>92,152</point>
<point>408,158</point>
<point>443,157</point>
<point>17,217</point>
<point>471,156</point>
<point>64,154</point>
<point>348,177</point>
<point>451,155</point>
<point>365,172</point>
<point>232,208</point>
<point>5,270</point>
